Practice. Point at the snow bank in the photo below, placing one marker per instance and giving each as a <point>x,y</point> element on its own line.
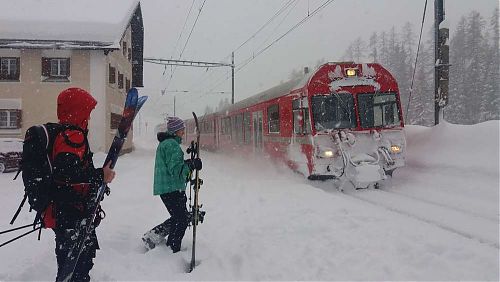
<point>264,222</point>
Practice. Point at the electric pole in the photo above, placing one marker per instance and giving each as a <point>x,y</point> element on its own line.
<point>441,60</point>
<point>232,78</point>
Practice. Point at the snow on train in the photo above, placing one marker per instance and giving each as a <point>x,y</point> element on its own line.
<point>342,122</point>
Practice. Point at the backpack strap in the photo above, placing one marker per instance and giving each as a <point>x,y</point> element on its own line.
<point>19,208</point>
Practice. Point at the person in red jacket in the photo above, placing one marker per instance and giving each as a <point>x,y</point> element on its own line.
<point>75,178</point>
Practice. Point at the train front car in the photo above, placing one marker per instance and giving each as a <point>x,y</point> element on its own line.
<point>357,124</point>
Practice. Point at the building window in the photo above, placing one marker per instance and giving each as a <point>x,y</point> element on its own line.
<point>124,48</point>
<point>10,119</point>
<point>127,84</point>
<point>120,80</point>
<point>115,121</point>
<point>112,75</point>
<point>55,69</point>
<point>9,68</point>
<point>273,119</point>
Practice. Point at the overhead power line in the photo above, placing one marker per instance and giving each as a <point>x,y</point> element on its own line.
<point>286,33</point>
<point>281,10</point>
<point>251,58</point>
<point>415,66</point>
<point>187,41</point>
<point>184,26</point>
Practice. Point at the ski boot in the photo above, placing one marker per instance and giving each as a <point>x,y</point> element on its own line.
<point>152,239</point>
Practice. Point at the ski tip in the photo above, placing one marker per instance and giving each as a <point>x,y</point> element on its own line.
<point>142,100</point>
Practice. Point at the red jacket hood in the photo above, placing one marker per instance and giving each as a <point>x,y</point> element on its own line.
<point>74,106</point>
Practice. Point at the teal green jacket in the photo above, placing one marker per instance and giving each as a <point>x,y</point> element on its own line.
<point>171,172</point>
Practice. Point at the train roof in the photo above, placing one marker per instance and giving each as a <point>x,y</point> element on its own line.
<point>286,88</point>
<point>271,93</point>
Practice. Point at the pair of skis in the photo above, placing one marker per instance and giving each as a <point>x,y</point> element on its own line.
<point>133,104</point>
<point>194,150</point>
<point>195,215</point>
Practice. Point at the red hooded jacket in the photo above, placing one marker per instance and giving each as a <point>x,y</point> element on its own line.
<point>73,169</point>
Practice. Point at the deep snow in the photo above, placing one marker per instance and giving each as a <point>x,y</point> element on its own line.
<point>438,221</point>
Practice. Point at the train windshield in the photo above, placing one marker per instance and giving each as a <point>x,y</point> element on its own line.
<point>333,111</point>
<point>378,110</point>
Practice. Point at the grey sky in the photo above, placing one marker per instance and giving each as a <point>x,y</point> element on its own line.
<point>224,24</point>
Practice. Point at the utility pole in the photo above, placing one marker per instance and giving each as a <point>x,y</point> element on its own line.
<point>174,106</point>
<point>232,78</point>
<point>441,60</point>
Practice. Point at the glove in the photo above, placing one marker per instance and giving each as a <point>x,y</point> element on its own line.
<point>194,163</point>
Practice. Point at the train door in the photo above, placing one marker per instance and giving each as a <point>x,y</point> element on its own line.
<point>257,131</point>
<point>301,123</point>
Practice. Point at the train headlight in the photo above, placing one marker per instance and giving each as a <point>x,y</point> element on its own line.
<point>326,152</point>
<point>395,149</point>
<point>351,72</point>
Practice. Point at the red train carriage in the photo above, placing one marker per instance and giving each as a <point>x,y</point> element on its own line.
<point>341,122</point>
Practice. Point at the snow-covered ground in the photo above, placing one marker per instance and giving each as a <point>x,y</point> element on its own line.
<point>438,221</point>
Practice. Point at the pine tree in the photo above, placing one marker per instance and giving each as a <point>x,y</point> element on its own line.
<point>358,50</point>
<point>492,88</point>
<point>475,69</point>
<point>457,98</point>
<point>372,46</point>
<point>384,50</point>
<point>422,98</point>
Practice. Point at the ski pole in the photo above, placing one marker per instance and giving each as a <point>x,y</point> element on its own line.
<point>17,228</point>
<point>20,236</point>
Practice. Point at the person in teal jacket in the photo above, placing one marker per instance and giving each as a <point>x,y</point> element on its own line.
<point>170,178</point>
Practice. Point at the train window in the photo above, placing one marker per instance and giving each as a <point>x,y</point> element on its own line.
<point>224,128</point>
<point>228,125</point>
<point>333,111</point>
<point>378,110</point>
<point>273,119</point>
<point>239,128</point>
<point>247,121</point>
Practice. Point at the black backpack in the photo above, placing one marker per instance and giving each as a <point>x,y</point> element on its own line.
<point>36,165</point>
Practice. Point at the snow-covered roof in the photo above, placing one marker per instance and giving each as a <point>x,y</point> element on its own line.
<point>89,24</point>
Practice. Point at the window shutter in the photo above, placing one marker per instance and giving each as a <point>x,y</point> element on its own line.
<point>112,74</point>
<point>68,67</point>
<point>46,67</point>
<point>115,121</point>
<point>18,69</point>
<point>19,114</point>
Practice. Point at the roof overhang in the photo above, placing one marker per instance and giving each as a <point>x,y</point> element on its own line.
<point>57,44</point>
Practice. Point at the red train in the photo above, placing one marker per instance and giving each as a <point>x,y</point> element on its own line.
<point>342,122</point>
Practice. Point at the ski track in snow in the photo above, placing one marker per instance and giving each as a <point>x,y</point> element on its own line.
<point>424,206</point>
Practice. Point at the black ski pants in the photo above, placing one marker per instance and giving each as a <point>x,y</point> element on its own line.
<point>85,263</point>
<point>175,202</point>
